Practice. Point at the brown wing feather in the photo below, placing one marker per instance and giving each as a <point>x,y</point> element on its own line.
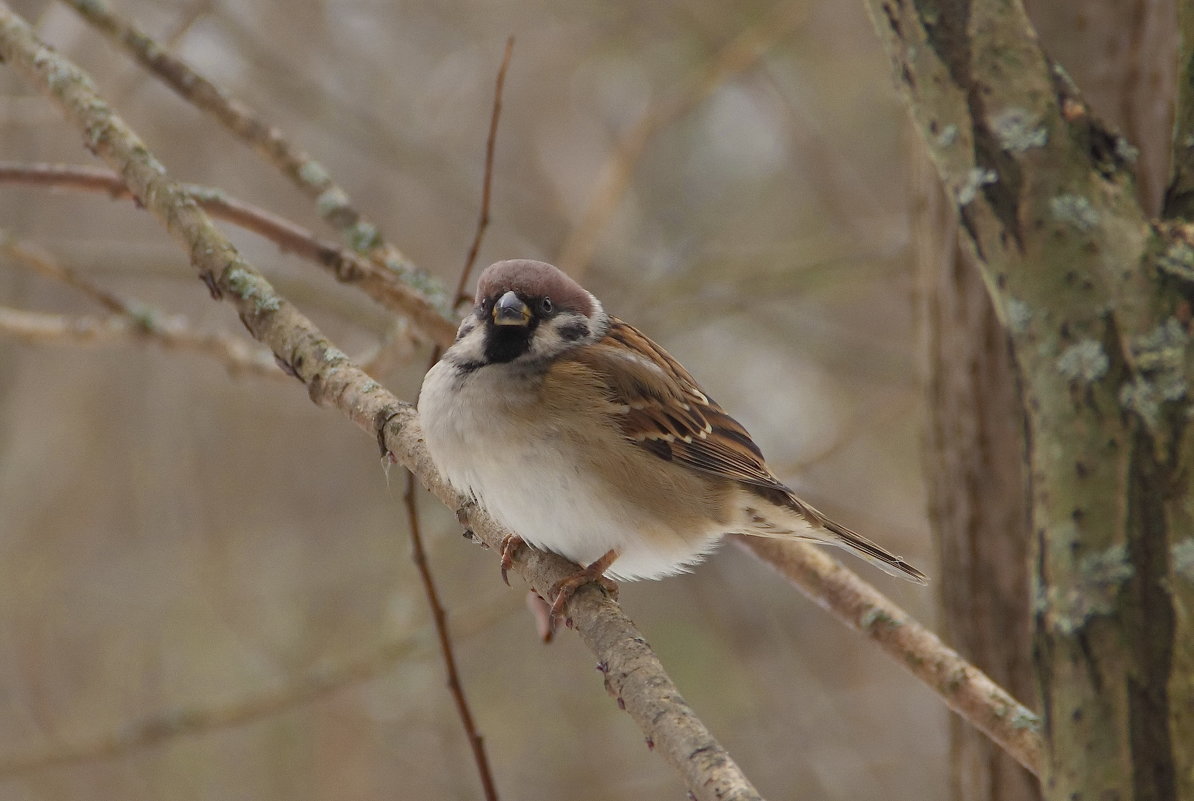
<point>667,413</point>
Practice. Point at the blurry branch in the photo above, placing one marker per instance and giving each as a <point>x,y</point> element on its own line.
<point>440,618</point>
<point>44,264</point>
<point>189,15</point>
<point>187,18</point>
<point>429,305</point>
<point>172,331</point>
<point>418,552</point>
<point>129,321</point>
<point>965,689</point>
<point>376,281</point>
<point>633,674</point>
<point>739,55</point>
<point>300,690</point>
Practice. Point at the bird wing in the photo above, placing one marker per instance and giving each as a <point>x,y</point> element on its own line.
<point>664,410</point>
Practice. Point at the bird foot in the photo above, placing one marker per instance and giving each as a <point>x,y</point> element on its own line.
<point>591,574</point>
<point>510,545</point>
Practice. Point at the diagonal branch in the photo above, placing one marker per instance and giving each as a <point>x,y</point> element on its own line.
<point>632,671</point>
<point>376,281</point>
<point>965,689</point>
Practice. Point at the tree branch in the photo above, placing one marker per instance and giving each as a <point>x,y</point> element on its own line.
<point>169,331</point>
<point>460,295</point>
<point>310,176</point>
<point>965,689</point>
<point>375,280</point>
<point>632,672</point>
<point>440,620</point>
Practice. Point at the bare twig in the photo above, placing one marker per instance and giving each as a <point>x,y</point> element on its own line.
<point>440,618</point>
<point>45,264</point>
<point>169,331</point>
<point>470,260</point>
<point>331,201</point>
<point>129,320</point>
<point>739,55</point>
<point>632,671</point>
<point>348,267</point>
<point>964,688</point>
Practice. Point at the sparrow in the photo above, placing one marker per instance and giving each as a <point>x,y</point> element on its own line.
<point>585,438</point>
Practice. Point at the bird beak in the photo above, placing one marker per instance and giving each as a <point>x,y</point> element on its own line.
<point>511,310</point>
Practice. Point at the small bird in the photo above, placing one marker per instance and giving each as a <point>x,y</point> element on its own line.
<point>583,437</point>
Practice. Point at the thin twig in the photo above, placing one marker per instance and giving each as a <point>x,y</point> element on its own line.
<point>129,321</point>
<point>964,688</point>
<point>632,671</point>
<point>169,331</point>
<point>440,618</point>
<point>331,200</point>
<point>418,552</point>
<point>45,264</point>
<point>739,55</point>
<point>486,182</point>
<point>348,267</point>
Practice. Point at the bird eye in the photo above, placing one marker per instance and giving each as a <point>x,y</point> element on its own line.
<point>546,307</point>
<point>483,307</point>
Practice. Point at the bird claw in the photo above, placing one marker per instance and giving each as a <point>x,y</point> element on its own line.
<point>510,544</point>
<point>594,573</point>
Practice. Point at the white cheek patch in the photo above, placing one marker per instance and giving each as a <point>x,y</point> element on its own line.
<point>470,344</point>
<point>466,325</point>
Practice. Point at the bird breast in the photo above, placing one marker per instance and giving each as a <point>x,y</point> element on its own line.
<point>550,464</point>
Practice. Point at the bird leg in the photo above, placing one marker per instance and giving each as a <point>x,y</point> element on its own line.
<point>593,573</point>
<point>510,545</point>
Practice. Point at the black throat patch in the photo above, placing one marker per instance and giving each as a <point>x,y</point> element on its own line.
<point>505,343</point>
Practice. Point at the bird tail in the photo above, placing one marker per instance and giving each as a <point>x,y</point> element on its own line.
<point>815,526</point>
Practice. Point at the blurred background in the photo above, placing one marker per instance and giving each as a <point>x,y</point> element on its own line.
<point>178,543</point>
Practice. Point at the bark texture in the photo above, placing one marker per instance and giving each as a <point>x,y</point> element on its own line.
<point>1121,55</point>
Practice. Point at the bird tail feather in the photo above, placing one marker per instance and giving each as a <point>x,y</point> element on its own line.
<point>815,526</point>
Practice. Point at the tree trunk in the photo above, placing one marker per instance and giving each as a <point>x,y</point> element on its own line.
<point>977,490</point>
<point>1096,299</point>
<point>1121,56</point>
